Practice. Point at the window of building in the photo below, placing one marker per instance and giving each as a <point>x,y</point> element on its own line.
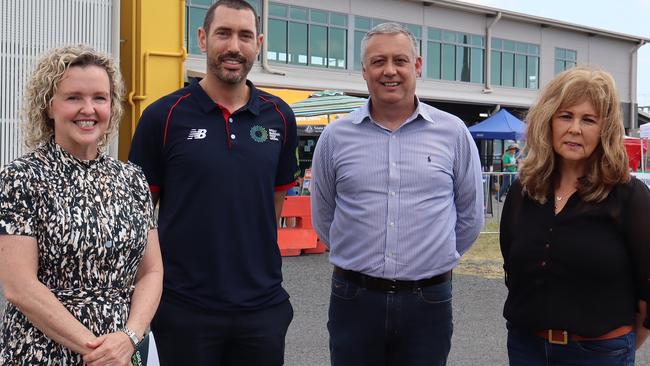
<point>362,25</point>
<point>515,64</point>
<point>455,56</point>
<point>308,37</point>
<point>195,14</point>
<point>257,5</point>
<point>565,59</point>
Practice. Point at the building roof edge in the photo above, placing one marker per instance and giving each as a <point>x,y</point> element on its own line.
<point>487,10</point>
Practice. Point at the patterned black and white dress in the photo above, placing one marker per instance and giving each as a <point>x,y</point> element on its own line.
<point>90,220</point>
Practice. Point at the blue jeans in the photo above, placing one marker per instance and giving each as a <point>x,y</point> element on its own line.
<point>525,349</point>
<point>405,328</point>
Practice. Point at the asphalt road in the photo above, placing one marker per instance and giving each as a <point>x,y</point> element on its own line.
<point>479,329</point>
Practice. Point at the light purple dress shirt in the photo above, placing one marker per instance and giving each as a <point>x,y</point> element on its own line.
<point>403,204</point>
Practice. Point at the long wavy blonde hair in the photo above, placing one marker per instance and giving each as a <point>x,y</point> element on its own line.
<point>608,164</point>
<point>38,127</point>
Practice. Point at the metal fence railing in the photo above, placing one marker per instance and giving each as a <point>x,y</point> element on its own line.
<point>494,194</point>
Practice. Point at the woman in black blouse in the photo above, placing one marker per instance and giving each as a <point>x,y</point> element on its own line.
<point>575,237</point>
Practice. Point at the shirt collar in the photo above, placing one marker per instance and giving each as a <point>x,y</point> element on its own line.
<point>420,111</point>
<point>207,104</point>
<point>364,113</point>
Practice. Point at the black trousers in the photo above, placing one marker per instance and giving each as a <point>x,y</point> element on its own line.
<point>194,337</point>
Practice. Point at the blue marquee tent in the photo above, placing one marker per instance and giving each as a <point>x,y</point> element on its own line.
<point>499,126</point>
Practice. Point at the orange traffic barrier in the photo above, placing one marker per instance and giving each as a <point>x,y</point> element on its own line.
<point>320,248</point>
<point>298,234</point>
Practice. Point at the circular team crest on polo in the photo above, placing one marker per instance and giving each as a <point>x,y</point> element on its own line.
<point>259,133</point>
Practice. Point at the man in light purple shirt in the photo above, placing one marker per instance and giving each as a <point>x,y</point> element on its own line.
<point>397,195</point>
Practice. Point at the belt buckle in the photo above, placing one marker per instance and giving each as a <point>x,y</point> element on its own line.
<point>564,341</point>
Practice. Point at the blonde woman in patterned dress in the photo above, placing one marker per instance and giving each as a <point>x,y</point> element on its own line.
<point>79,257</point>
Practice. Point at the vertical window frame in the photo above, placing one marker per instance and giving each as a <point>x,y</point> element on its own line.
<point>465,44</point>
<point>565,58</point>
<point>334,20</point>
<point>521,54</point>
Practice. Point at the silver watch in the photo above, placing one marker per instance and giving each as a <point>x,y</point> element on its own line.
<point>134,338</point>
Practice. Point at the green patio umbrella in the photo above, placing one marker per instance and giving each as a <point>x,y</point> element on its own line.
<point>327,102</point>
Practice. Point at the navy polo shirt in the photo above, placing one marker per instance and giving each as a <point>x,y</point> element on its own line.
<point>216,174</point>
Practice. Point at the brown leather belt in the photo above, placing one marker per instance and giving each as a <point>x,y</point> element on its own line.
<point>384,285</point>
<point>555,336</point>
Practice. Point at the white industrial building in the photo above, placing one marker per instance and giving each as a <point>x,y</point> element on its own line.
<point>477,59</point>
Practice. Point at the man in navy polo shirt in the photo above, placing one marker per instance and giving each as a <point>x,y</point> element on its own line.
<point>220,155</point>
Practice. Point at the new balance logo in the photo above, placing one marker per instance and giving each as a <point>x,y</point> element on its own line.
<point>197,134</point>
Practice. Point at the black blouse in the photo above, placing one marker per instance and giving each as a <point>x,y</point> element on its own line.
<point>582,270</point>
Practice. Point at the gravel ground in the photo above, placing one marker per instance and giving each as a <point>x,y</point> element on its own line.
<point>479,329</point>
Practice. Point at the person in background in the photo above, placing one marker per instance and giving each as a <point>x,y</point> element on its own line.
<point>510,167</point>
<point>574,232</point>
<point>397,194</point>
<point>220,155</point>
<point>79,258</point>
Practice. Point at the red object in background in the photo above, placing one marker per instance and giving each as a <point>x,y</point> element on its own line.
<point>301,237</point>
<point>633,149</point>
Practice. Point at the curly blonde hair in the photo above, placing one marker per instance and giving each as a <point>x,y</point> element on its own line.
<point>38,127</point>
<point>608,164</point>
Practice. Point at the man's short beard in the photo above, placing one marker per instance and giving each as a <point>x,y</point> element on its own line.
<point>229,77</point>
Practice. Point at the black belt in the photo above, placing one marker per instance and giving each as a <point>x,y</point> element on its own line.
<point>384,285</point>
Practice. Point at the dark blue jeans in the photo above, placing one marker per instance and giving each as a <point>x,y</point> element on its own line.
<point>405,328</point>
<point>192,336</point>
<point>525,349</point>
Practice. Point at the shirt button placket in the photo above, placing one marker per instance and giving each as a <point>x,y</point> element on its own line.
<point>543,264</point>
<point>232,129</point>
<point>393,205</point>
